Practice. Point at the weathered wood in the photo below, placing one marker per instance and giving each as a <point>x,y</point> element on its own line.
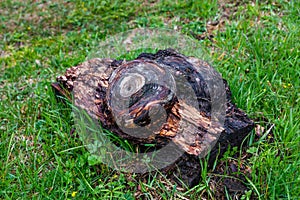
<point>96,82</point>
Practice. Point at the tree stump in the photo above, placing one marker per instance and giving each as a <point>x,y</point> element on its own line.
<point>156,99</point>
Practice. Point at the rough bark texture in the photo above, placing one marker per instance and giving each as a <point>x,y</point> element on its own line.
<point>96,90</point>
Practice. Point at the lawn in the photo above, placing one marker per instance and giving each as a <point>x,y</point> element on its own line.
<point>253,44</point>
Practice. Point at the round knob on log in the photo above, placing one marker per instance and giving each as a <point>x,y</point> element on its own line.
<point>140,96</point>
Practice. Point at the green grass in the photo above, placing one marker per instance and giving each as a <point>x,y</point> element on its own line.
<point>257,52</point>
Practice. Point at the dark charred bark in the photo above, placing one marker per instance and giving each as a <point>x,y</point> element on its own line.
<point>101,82</point>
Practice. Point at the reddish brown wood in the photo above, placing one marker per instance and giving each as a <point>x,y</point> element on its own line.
<point>94,99</point>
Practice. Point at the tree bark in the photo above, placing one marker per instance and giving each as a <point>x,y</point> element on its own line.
<point>95,81</point>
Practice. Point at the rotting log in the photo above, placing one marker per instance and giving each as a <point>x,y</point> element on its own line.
<point>140,95</point>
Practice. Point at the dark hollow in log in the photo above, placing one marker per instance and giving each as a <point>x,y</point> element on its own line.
<point>130,96</point>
